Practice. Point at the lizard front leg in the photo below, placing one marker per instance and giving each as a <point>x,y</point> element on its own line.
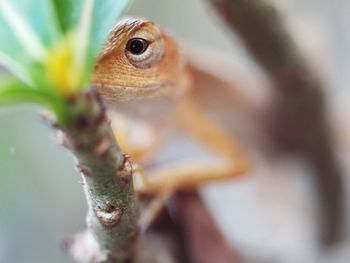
<point>190,174</point>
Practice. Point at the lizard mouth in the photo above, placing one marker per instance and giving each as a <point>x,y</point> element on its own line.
<point>151,103</point>
<point>116,93</point>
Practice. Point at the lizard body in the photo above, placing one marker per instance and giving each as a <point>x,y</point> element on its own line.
<point>142,75</point>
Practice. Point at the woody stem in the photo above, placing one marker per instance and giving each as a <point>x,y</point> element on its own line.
<point>112,210</point>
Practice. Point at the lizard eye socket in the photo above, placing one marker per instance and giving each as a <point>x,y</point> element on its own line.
<point>144,50</point>
<point>137,46</point>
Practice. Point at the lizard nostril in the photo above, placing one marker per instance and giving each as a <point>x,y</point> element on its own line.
<point>137,46</point>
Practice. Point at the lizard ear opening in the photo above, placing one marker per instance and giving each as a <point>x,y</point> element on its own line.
<point>144,49</point>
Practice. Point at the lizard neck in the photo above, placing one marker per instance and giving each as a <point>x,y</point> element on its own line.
<point>151,104</point>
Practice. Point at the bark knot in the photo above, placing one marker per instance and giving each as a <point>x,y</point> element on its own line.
<point>125,170</point>
<point>83,170</point>
<point>108,217</point>
<point>102,146</point>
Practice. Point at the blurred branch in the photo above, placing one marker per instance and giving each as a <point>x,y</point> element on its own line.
<point>297,120</point>
<point>203,240</point>
<point>113,214</point>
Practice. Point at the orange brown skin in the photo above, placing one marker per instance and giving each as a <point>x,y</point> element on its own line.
<point>127,85</point>
<point>157,88</point>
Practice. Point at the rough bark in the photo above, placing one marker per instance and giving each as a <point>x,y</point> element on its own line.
<point>107,175</point>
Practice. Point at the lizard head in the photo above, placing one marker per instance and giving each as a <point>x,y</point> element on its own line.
<point>139,62</point>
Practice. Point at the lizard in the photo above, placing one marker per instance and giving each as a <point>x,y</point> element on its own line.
<point>143,76</point>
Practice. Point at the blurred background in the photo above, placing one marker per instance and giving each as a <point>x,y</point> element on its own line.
<point>270,216</point>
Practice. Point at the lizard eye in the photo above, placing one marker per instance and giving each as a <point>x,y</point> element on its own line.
<point>144,51</point>
<point>137,46</point>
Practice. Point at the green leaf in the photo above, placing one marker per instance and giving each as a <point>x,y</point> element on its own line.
<point>67,13</point>
<point>41,17</point>
<point>16,69</point>
<point>103,16</point>
<point>13,90</point>
<point>91,20</point>
<point>27,28</point>
<point>46,41</point>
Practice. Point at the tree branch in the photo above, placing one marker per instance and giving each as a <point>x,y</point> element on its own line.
<point>297,119</point>
<point>113,214</point>
<point>203,240</point>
